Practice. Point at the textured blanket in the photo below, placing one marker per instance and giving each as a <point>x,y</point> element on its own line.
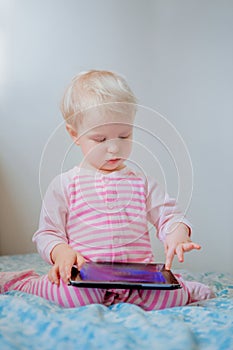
<point>30,322</point>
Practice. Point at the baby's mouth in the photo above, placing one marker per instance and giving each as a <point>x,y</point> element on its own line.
<point>113,160</point>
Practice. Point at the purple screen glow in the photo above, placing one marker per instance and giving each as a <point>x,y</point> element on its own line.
<point>121,272</point>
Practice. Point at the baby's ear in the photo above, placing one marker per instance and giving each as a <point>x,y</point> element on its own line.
<point>73,133</point>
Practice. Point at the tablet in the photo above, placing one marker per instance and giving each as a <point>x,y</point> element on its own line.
<point>107,275</point>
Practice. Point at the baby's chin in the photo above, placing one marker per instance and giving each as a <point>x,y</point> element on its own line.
<point>107,167</point>
<point>111,167</point>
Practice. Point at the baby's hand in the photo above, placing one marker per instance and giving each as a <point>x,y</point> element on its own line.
<point>64,258</point>
<point>177,243</point>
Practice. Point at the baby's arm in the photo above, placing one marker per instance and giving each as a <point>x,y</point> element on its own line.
<point>171,225</point>
<point>51,237</point>
<point>177,243</point>
<point>64,257</point>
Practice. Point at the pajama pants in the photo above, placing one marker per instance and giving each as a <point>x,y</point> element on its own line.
<point>69,296</point>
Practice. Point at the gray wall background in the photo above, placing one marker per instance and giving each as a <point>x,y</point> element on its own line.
<point>178,58</point>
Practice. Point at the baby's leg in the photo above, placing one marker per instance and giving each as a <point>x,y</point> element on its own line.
<point>198,291</point>
<point>159,299</point>
<point>63,295</point>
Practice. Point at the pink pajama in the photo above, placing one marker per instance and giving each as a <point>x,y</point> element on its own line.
<point>69,296</point>
<point>105,217</point>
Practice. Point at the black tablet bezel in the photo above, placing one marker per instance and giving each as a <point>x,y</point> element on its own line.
<point>171,281</point>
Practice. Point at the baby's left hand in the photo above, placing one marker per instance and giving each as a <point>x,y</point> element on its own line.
<point>177,243</point>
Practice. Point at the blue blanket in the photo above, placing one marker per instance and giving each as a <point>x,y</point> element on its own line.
<point>30,322</point>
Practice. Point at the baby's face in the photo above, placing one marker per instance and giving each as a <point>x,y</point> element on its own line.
<point>106,140</point>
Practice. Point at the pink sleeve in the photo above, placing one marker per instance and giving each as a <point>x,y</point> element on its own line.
<point>53,216</point>
<point>162,210</point>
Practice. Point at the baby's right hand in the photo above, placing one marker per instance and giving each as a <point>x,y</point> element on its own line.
<point>64,257</point>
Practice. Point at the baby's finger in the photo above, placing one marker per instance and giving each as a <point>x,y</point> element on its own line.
<point>65,271</point>
<point>169,258</point>
<point>190,246</point>
<point>196,246</point>
<point>80,261</point>
<point>53,275</point>
<point>185,247</point>
<point>180,252</point>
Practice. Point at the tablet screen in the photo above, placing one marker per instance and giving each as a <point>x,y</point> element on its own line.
<point>123,275</point>
<point>121,272</point>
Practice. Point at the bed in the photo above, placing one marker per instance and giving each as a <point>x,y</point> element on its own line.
<point>30,322</point>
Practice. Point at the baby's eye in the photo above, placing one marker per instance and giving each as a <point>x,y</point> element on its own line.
<point>124,137</point>
<point>99,139</point>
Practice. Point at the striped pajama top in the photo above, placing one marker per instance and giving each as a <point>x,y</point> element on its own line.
<point>105,216</point>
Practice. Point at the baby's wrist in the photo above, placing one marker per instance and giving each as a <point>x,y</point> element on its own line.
<point>58,250</point>
<point>186,229</point>
<point>179,228</point>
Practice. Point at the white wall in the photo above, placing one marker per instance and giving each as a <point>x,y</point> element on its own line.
<point>177,56</point>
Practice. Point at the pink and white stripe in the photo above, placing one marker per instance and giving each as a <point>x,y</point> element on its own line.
<point>69,296</point>
<point>103,217</point>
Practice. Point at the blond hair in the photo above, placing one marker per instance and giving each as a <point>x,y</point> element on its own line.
<point>96,88</point>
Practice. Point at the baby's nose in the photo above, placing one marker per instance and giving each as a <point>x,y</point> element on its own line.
<point>113,146</point>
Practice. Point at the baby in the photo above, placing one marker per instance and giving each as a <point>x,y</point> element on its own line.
<point>99,210</point>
